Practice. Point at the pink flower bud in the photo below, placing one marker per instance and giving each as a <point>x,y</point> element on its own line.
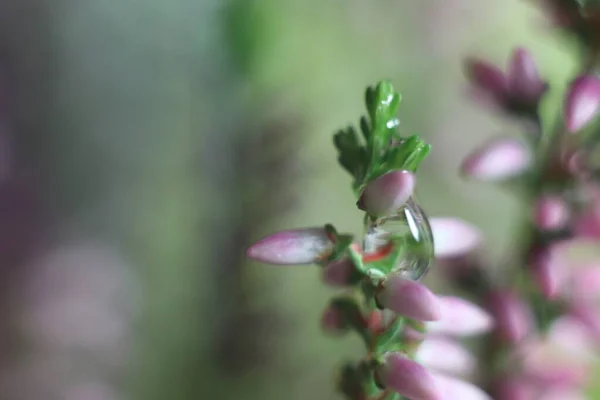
<point>387,193</point>
<point>296,246</point>
<point>582,102</point>
<point>454,389</point>
<point>338,273</point>
<point>333,321</point>
<point>488,80</point>
<point>453,237</point>
<point>409,298</point>
<point>460,318</point>
<point>407,377</point>
<point>445,355</point>
<point>547,274</point>
<point>497,160</point>
<point>524,82</point>
<point>551,213</point>
<point>570,334</point>
<point>513,318</point>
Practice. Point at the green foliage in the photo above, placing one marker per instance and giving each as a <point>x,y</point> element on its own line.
<point>384,150</point>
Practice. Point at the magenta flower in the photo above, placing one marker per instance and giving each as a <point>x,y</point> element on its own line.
<point>387,193</point>
<point>453,237</point>
<point>582,102</point>
<point>518,90</point>
<point>296,246</point>
<point>497,160</point>
<point>408,377</point>
<point>409,298</point>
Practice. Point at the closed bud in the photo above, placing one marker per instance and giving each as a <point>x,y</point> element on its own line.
<point>409,298</point>
<point>497,160</point>
<point>387,193</point>
<point>296,246</point>
<point>407,377</point>
<point>333,321</point>
<point>453,237</point>
<point>513,318</point>
<point>460,318</point>
<point>551,213</point>
<point>524,82</point>
<point>582,102</point>
<point>339,273</point>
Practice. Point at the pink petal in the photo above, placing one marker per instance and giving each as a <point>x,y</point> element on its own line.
<point>582,102</point>
<point>387,193</point>
<point>296,246</point>
<point>408,378</point>
<point>487,78</point>
<point>551,213</point>
<point>497,160</point>
<point>453,237</point>
<point>584,283</point>
<point>524,81</point>
<point>445,355</point>
<point>454,389</point>
<point>338,273</point>
<point>513,318</point>
<point>461,318</point>
<point>409,298</point>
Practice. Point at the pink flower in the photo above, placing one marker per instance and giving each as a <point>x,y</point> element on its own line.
<point>497,160</point>
<point>551,213</point>
<point>460,318</point>
<point>387,193</point>
<point>295,246</point>
<point>453,237</point>
<point>454,389</point>
<point>445,355</point>
<point>582,102</point>
<point>513,318</point>
<point>408,378</point>
<point>409,298</point>
<point>518,90</point>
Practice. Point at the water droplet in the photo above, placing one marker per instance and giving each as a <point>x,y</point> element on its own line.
<point>410,223</point>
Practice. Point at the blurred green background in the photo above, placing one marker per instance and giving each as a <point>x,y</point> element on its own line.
<point>182,130</point>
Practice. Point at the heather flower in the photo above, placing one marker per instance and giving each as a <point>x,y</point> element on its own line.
<point>387,193</point>
<point>519,90</point>
<point>453,237</point>
<point>497,160</point>
<point>513,320</point>
<point>445,355</point>
<point>551,213</point>
<point>408,377</point>
<point>291,247</point>
<point>339,273</point>
<point>582,102</point>
<point>409,298</point>
<point>460,318</point>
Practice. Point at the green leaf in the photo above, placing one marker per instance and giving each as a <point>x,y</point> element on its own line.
<point>351,154</point>
<point>390,336</point>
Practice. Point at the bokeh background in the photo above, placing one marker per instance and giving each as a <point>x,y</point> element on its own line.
<point>144,144</point>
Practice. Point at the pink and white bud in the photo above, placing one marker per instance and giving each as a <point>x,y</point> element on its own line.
<point>291,247</point>
<point>513,318</point>
<point>582,102</point>
<point>445,355</point>
<point>551,213</point>
<point>409,298</point>
<point>387,193</point>
<point>453,389</point>
<point>408,378</point>
<point>497,160</point>
<point>488,80</point>
<point>338,273</point>
<point>524,83</point>
<point>460,318</point>
<point>453,237</point>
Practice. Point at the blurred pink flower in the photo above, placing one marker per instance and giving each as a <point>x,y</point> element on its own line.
<point>453,389</point>
<point>551,213</point>
<point>446,355</point>
<point>453,237</point>
<point>513,318</point>
<point>460,318</point>
<point>582,102</point>
<point>338,273</point>
<point>408,378</point>
<point>499,159</point>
